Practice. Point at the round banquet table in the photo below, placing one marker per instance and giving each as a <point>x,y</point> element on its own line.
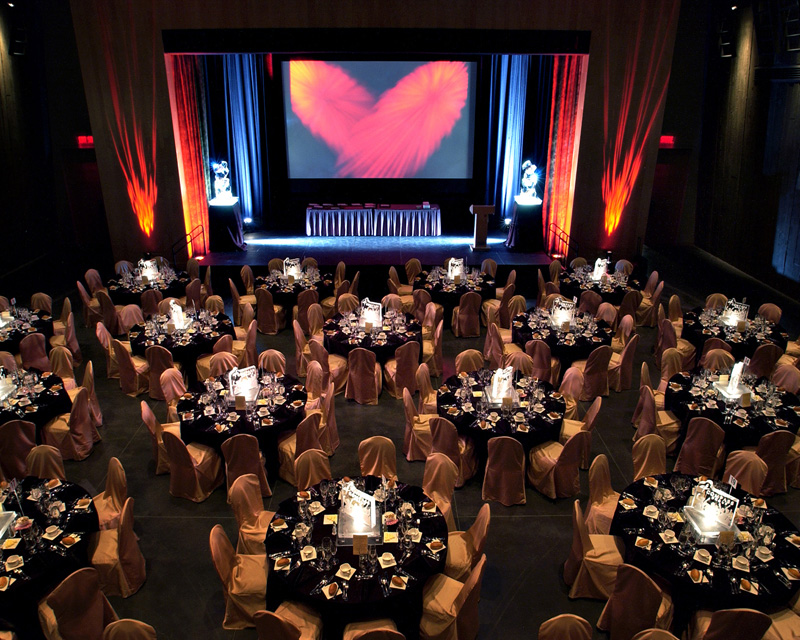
<point>185,347</point>
<point>448,294</point>
<point>586,335</point>
<point>700,325</point>
<point>285,295</point>
<point>341,338</point>
<point>47,563</point>
<point>124,292</point>
<point>38,402</point>
<point>573,283</point>
<point>202,422</point>
<point>690,396</point>
<point>531,424</point>
<point>12,334</point>
<point>719,587</point>
<point>366,598</point>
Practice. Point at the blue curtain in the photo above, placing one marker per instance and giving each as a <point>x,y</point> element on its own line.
<point>244,81</point>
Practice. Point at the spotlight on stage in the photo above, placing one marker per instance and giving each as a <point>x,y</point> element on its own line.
<point>247,220</point>
<point>507,221</point>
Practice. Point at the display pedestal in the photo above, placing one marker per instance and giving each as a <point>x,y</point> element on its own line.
<point>481,213</point>
<point>525,232</point>
<point>225,225</point>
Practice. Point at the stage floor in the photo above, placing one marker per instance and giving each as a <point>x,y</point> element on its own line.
<point>371,250</point>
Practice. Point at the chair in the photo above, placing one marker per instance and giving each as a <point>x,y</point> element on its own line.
<point>215,305</point>
<point>749,470</point>
<point>72,434</point>
<point>272,360</point>
<point>330,305</point>
<point>68,339</point>
<point>770,312</point>
<point>45,462</point>
<point>489,267</point>
<point>314,377</point>
<point>8,361</point>
<point>636,603</point>
<point>221,363</point>
<point>555,270</point>
<point>159,360</point>
<point>315,322</point>
<point>134,371</point>
<point>649,308</point>
<point>381,629</point>
<point>291,621</point>
<point>654,634</point>
<point>675,314</point>
<point>545,366</point>
<point>427,394</point>
<point>252,519</point>
<point>271,317</point>
<point>417,435</point>
<point>364,377</point>
<point>649,456</point>
<point>607,313</point>
<point>504,478</point>
<point>149,302</point>
<point>128,629</point>
<point>247,316</point>
<point>432,351</point>
<point>305,437</point>
<point>194,472</point>
<point>17,438</point>
<point>244,580</point>
<point>429,320</point>
<point>602,497</point>
<point>591,568</point>
<point>571,389</point>
<point>541,289</point>
<point>624,332</point>
<point>595,373</point>
<point>630,303</point>
<point>650,420</point>
<point>311,467</point>
<point>76,609</point>
<point>553,467</point>
<point>520,362</point>
<point>460,449</point>
<point>469,361</point>
<point>702,449</point>
<point>624,266</point>
<point>716,301</point>
<point>238,302</point>
<point>788,377</point>
<point>242,456</point>
<point>300,311</point>
<point>728,624</point>
<point>42,302</point>
<point>377,457</point>
<point>567,626</point>
<point>248,280</point>
<point>684,347</point>
<point>348,302</point>
<point>302,350</point>
<point>335,368</point>
<point>438,483</point>
<point>61,364</point>
<point>589,302</point>
<point>116,555</point>
<point>173,388</point>
<point>402,289</point>
<point>110,502</point>
<point>497,310</point>
<point>620,367</point>
<point>246,351</point>
<point>450,608</point>
<point>91,307</point>
<point>165,305</point>
<point>511,279</point>
<point>570,427</point>
<point>391,301</point>
<point>400,371</point>
<point>156,429</point>
<point>33,352</point>
<point>110,312</point>
<point>495,349</point>
<point>466,320</point>
<point>773,448</point>
<point>129,316</point>
<point>763,361</point>
<point>465,548</point>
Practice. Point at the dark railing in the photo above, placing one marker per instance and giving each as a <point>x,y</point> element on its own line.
<point>564,237</point>
<point>184,242</point>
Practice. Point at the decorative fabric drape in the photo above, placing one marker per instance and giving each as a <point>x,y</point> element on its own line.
<point>191,165</point>
<point>244,82</point>
<point>507,113</point>
<point>559,186</point>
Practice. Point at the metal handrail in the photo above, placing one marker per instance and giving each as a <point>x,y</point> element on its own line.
<point>562,235</point>
<point>184,242</point>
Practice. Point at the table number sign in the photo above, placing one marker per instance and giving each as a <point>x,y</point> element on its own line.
<point>358,516</point>
<point>562,313</point>
<point>600,268</point>
<point>291,267</point>
<point>712,509</point>
<point>371,312</point>
<point>736,313</point>
<point>244,382</point>
<point>455,268</point>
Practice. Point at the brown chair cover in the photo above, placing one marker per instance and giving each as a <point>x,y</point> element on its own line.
<point>450,608</point>
<point>504,478</point>
<point>116,555</point>
<point>291,621</point>
<point>630,303</point>
<point>33,352</point>
<point>328,430</point>
<point>432,351</point>
<point>709,345</point>
<point>129,316</point>
<point>347,302</point>
<point>244,580</point>
<point>489,267</point>
<point>553,468</point>
<point>45,462</point>
<point>272,360</point>
<point>133,370</point>
<point>749,470</point>
<point>427,394</point>
<point>42,302</point>
<point>400,371</point>
<point>763,361</point>
<point>194,298</point>
<point>74,434</point>
<point>465,548</point>
<point>377,457</point>
<point>624,332</point>
<point>110,312</point>
<point>589,302</point>
<point>215,305</point>
<point>391,301</point>
<point>773,448</point>
<point>222,363</point>
<point>571,388</point>
<point>314,377</point>
<point>76,609</point>
<point>788,377</point>
<point>8,361</point>
<point>669,339</point>
<point>460,449</point>
<point>271,317</point>
<point>555,271</point>
<point>242,456</point>
<point>156,429</point>
<point>302,350</point>
<point>109,504</point>
<point>716,301</point>
<point>128,629</point>
<point>438,483</point>
<point>770,312</point>
<point>595,373</point>
<point>305,437</point>
<point>94,281</point>
<point>149,302</point>
<point>159,360</point>
<point>570,427</point>
<point>335,368</point>
<point>17,438</point>
<point>309,262</point>
<point>651,420</point>
<point>649,456</point>
<point>469,361</point>
<point>636,603</point>
<point>300,312</point>
<point>104,338</point>
<point>566,626</point>
<point>602,497</point>
<point>95,412</point>
<point>382,629</point>
<point>620,366</point>
<point>671,363</point>
<point>545,366</point>
<point>194,472</point>
<point>61,365</point>
<point>520,362</point>
<point>728,624</point>
<point>315,322</point>
<point>650,307</point>
<point>511,279</point>
<point>248,509</point>
<point>466,321</point>
<point>493,349</point>
<point>654,634</point>
<point>91,307</point>
<point>238,301</point>
<point>607,313</point>
<point>417,435</point>
<point>311,467</point>
<point>364,377</point>
<point>165,305</point>
<point>700,452</point>
<point>68,339</point>
<point>173,387</point>
<point>718,360</point>
<point>430,320</point>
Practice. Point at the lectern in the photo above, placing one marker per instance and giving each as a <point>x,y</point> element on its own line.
<point>481,213</point>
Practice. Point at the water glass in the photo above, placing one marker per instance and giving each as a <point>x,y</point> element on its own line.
<point>372,552</point>
<point>327,552</point>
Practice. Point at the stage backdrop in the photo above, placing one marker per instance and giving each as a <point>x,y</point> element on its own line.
<point>127,92</point>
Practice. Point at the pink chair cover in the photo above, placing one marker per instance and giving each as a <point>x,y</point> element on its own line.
<point>427,395</point>
<point>444,439</point>
<point>129,316</point>
<point>364,377</point>
<point>763,361</point>
<point>624,331</point>
<point>91,308</point>
<point>17,438</point>
<point>567,626</point>
<point>654,634</point>
<point>307,434</point>
<point>607,313</point>
<point>42,302</point>
<point>81,610</point>
<point>494,347</point>
<point>93,281</point>
<point>469,361</point>
<point>45,462</point>
<point>634,604</point>
<point>520,362</point>
<point>75,439</point>
<point>311,467</point>
<point>542,357</point>
<point>193,294</point>
<point>110,313</point>
<point>128,629</point>
<point>773,448</point>
<point>68,339</point>
<point>730,624</point>
<point>466,316</point>
<point>165,304</point>
<point>377,457</point>
<point>247,503</point>
<point>242,456</point>
<point>749,470</point>
<point>314,378</point>
<point>648,312</point>
<point>172,387</point>
<point>33,351</point>
<point>649,456</point>
<point>788,377</point>
<point>246,274</point>
<point>770,312</point>
<point>718,360</point>
<point>116,556</point>
<point>95,413</point>
<point>334,368</point>
<point>272,360</point>
<point>700,449</point>
<point>132,380</point>
<point>8,361</point>
<point>438,483</point>
<point>222,362</point>
<point>602,497</point>
<point>159,360</point>
<point>571,388</point>
<point>429,320</point>
<point>315,321</point>
<point>189,478</point>
<point>595,374</point>
<point>104,338</point>
<point>401,370</point>
<point>620,374</point>
<point>589,302</point>
<point>149,301</point>
<point>504,479</point>
<point>650,287</point>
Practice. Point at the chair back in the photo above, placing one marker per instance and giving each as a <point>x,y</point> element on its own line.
<point>555,270</point>
<point>394,278</point>
<point>207,282</point>
<point>272,360</point>
<point>243,457</point>
<point>246,274</point>
<point>504,479</point>
<point>572,383</point>
<point>267,321</point>
<point>315,319</point>
<point>624,266</point>
<point>215,305</point>
<point>275,264</point>
<point>517,306</point>
<point>42,302</point>
<point>130,556</point>
<point>391,301</point>
<point>129,629</point>
<point>271,626</point>
<point>235,302</point>
<point>489,267</point>
<point>439,477</point>
<point>633,605</point>
<point>444,439</point>
<point>421,300</point>
<point>764,359</point>
<point>80,608</point>
<point>427,396</point>
<point>713,343</point>
<point>551,289</point>
<point>8,361</point>
<point>466,604</point>
<point>340,274</point>
<point>565,473</point>
<point>149,301</point>
<point>304,300</point>
<point>93,281</point>
<point>650,287</point>
<point>624,329</point>
<point>311,467</point>
<point>520,362</point>
<point>347,302</point>
<point>539,351</point>
<point>115,492</point>
<point>630,303</point>
<point>193,268</point>
<point>320,354</point>
<point>61,363</point>
<point>716,301</point>
<point>159,360</point>
<point>109,312</point>
<point>494,343</point>
<point>468,361</point>
<point>589,302</point>
<point>478,532</point>
<point>94,404</point>
<point>675,311</point>
<point>45,462</point>
<point>773,448</point>
<point>33,352</point>
<point>314,378</point>
<point>413,269</point>
<point>504,314</point>
<point>244,494</point>
<point>698,454</point>
<point>566,626</point>
<point>222,555</point>
<point>307,434</point>
<point>468,320</point>
<point>377,457</point>
<point>129,317</point>
<point>17,438</point>
<point>788,377</point>
<point>172,385</point>
<point>649,456</point>
<point>770,312</point>
<point>737,624</point>
<point>717,360</point>
<point>193,294</point>
<point>595,375</point>
<point>361,385</point>
<point>407,357</point>
<point>541,288</point>
<point>123,266</point>
<point>329,432</point>
<point>749,470</point>
<point>626,363</point>
<point>599,481</point>
<point>607,313</point>
<point>222,362</point>
<point>644,416</point>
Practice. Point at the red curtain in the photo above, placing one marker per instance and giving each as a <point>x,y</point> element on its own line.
<point>562,152</point>
<point>190,156</point>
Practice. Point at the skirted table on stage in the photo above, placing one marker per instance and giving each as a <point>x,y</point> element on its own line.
<point>357,220</point>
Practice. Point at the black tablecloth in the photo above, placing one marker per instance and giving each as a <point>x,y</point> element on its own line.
<point>567,350</point>
<point>40,323</point>
<point>286,295</point>
<point>742,345</point>
<point>746,425</point>
<point>341,343</point>
<point>124,294</point>
<point>366,599</point>
<point>52,401</point>
<point>449,295</point>
<point>664,561</point>
<point>612,291</point>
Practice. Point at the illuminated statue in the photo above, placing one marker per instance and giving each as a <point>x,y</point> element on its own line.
<point>530,178</point>
<point>222,183</point>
